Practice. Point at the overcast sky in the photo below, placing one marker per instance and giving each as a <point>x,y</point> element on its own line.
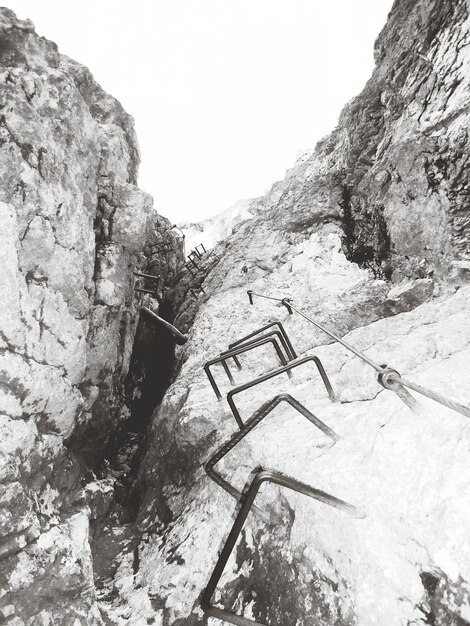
<point>225,93</point>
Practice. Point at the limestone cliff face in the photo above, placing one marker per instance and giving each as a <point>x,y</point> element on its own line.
<point>73,226</point>
<point>393,173</point>
<point>369,235</point>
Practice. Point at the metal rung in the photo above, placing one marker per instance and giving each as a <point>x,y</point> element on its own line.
<point>190,270</point>
<point>177,335</point>
<point>199,288</point>
<point>260,477</point>
<point>181,232</point>
<point>196,253</point>
<point>164,248</point>
<point>278,372</point>
<point>257,417</point>
<point>152,291</point>
<point>191,258</point>
<point>201,245</point>
<point>273,333</point>
<point>162,245</point>
<point>196,288</point>
<point>223,359</point>
<point>261,330</point>
<point>141,274</point>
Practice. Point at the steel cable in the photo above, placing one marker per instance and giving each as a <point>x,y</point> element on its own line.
<point>433,395</point>
<point>388,378</point>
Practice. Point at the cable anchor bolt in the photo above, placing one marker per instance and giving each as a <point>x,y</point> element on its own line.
<point>388,378</point>
<point>286,302</point>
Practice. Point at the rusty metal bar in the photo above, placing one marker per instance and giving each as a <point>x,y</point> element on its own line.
<point>178,336</point>
<point>286,302</point>
<point>201,245</point>
<point>160,251</point>
<point>274,333</point>
<point>278,372</point>
<point>236,351</point>
<point>196,252</point>
<point>190,270</point>
<point>388,377</point>
<point>228,372</point>
<point>194,262</point>
<point>237,362</point>
<point>259,295</point>
<point>194,288</point>
<point>176,226</point>
<point>146,275</point>
<point>231,354</point>
<point>260,477</point>
<point>153,291</point>
<point>182,235</point>
<point>200,287</point>
<point>261,330</point>
<point>258,416</point>
<point>161,244</point>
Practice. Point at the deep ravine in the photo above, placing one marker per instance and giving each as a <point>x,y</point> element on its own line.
<point>106,513</point>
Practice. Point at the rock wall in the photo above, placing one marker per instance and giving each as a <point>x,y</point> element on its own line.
<point>214,229</point>
<point>394,169</point>
<point>369,236</point>
<point>393,173</point>
<point>73,226</point>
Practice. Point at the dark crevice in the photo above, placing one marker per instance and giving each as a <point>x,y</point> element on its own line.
<point>150,373</point>
<point>443,599</point>
<point>151,367</point>
<point>112,441</point>
<point>366,240</point>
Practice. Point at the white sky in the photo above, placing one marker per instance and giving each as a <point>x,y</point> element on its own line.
<point>224,92</point>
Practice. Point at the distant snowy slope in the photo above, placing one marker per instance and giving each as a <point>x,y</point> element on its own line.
<point>212,230</point>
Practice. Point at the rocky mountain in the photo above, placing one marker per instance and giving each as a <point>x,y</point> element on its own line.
<point>109,516</point>
<point>214,229</point>
<point>74,226</point>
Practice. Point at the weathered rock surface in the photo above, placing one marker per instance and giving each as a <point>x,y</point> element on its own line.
<point>394,174</point>
<point>382,198</point>
<point>407,471</point>
<point>214,229</point>
<point>73,226</point>
<point>368,234</point>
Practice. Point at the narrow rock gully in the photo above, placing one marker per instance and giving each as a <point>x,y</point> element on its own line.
<point>153,367</point>
<point>114,511</point>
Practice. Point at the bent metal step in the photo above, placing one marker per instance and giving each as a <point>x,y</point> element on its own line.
<point>258,416</point>
<point>262,476</point>
<point>274,333</point>
<point>230,354</point>
<point>144,289</point>
<point>278,372</point>
<point>290,348</point>
<point>178,336</point>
